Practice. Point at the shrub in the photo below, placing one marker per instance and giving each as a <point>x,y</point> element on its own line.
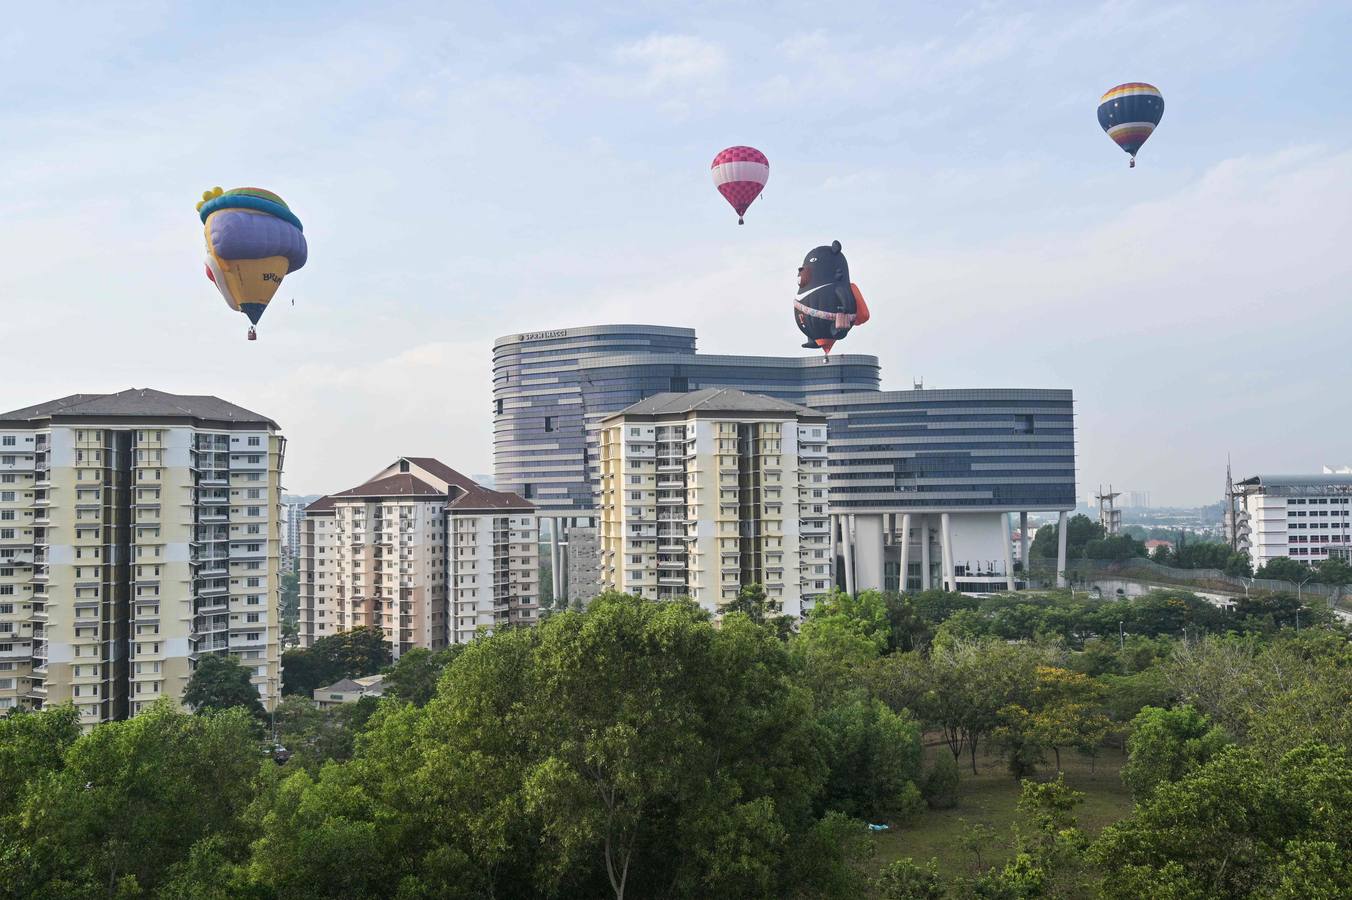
<point>939,784</point>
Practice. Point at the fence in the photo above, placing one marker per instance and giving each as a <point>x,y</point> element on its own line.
<point>1139,569</point>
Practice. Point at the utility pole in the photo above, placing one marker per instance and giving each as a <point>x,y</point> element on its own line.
<point>1122,634</point>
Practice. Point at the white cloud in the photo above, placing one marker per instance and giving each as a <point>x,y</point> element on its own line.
<point>673,60</point>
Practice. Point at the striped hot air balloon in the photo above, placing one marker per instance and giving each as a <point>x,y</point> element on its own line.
<point>1129,113</point>
<point>739,174</point>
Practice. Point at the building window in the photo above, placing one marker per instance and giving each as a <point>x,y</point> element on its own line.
<point>253,442</point>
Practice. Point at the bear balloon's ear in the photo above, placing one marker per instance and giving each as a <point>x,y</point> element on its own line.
<point>835,245</point>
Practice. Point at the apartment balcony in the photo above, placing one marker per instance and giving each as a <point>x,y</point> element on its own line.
<point>672,580</point>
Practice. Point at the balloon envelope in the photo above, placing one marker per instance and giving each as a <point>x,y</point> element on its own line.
<point>740,173</point>
<point>828,305</point>
<point>253,242</point>
<point>1129,114</point>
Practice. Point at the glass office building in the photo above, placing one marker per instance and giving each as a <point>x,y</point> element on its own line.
<point>552,388</point>
<point>921,482</point>
<point>980,450</point>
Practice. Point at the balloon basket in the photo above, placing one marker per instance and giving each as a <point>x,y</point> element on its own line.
<point>253,335</point>
<point>1132,164</point>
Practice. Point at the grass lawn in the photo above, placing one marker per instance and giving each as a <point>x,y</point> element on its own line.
<point>990,797</point>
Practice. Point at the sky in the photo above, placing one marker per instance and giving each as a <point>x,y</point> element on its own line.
<point>466,171</point>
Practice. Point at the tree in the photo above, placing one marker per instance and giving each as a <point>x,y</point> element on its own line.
<point>220,682</point>
<point>32,745</point>
<point>905,879</point>
<point>1284,568</point>
<point>1238,565</point>
<point>1166,744</point>
<point>414,677</point>
<point>940,783</point>
<point>129,802</point>
<point>348,654</point>
<point>1335,572</point>
<point>1114,547</point>
<point>874,755</point>
<point>973,682</point>
<point>752,603</point>
<point>1239,825</point>
<point>567,760</point>
<point>1080,530</point>
<point>1065,712</point>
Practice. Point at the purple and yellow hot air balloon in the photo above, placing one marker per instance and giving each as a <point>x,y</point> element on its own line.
<point>1129,114</point>
<point>253,241</point>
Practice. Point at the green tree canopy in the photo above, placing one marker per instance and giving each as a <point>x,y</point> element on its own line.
<point>221,682</point>
<point>1080,530</point>
<point>1165,745</point>
<point>348,654</point>
<point>128,804</point>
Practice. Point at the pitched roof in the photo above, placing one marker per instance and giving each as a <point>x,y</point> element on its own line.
<point>322,505</point>
<point>144,402</point>
<point>442,471</point>
<point>728,400</point>
<point>471,494</point>
<point>342,685</point>
<point>402,485</point>
<point>478,497</point>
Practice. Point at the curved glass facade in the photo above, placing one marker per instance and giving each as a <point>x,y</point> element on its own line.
<point>552,388</point>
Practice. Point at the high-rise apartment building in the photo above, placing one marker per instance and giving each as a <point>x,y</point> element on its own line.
<point>706,492</point>
<point>139,531</point>
<point>293,514</point>
<point>946,468</point>
<point>422,552</point>
<point>1307,518</point>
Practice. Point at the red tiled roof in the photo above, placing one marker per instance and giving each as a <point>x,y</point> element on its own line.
<point>322,505</point>
<point>472,495</point>
<point>402,485</point>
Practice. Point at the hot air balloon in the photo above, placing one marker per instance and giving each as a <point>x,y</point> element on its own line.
<point>1129,113</point>
<point>740,173</point>
<point>828,305</point>
<point>253,241</point>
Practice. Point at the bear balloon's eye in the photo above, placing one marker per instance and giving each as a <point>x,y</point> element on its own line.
<point>813,259</point>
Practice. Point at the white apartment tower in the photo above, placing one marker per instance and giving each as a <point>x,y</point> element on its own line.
<point>139,531</point>
<point>421,551</point>
<point>706,492</point>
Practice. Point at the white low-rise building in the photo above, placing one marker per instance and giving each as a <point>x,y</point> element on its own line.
<point>1307,518</point>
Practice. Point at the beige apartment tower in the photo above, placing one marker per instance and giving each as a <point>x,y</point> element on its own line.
<point>423,552</point>
<point>704,493</point>
<point>138,531</point>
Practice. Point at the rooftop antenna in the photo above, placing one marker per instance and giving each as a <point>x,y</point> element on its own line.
<point>918,384</point>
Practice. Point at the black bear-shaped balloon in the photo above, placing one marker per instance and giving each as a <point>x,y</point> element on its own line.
<point>827,305</point>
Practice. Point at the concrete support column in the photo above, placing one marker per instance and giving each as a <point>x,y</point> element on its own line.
<point>924,553</point>
<point>905,550</point>
<point>1061,550</point>
<point>1009,551</point>
<point>1023,543</point>
<point>868,551</point>
<point>847,536</point>
<point>554,577</point>
<point>950,580</point>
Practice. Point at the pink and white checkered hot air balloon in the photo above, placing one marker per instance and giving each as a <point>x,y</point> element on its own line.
<point>739,174</point>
